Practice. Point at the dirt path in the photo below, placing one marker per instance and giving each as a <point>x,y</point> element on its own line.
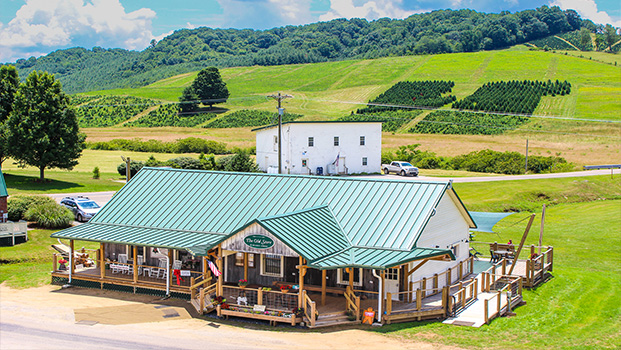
<point>52,317</point>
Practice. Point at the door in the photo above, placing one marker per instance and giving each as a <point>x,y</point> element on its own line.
<point>392,283</point>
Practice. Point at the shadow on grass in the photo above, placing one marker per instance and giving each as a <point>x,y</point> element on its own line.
<point>31,183</point>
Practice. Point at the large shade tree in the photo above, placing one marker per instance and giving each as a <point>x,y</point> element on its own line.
<point>9,82</point>
<point>42,128</point>
<point>208,88</point>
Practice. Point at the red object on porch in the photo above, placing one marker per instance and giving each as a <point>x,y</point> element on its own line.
<point>177,273</point>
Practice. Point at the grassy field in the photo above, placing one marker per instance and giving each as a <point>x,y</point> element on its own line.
<point>578,309</point>
<point>330,90</point>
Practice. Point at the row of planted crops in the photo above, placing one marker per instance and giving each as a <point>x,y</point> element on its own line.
<point>492,109</point>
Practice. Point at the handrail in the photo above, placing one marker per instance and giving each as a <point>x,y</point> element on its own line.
<point>353,302</point>
<point>198,284</point>
<point>309,309</point>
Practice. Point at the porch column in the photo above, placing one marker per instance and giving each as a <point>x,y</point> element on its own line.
<point>135,267</point>
<point>246,266</point>
<point>350,271</point>
<point>205,267</point>
<point>323,287</point>
<point>102,260</point>
<point>219,265</point>
<point>71,260</point>
<point>168,270</point>
<point>302,273</point>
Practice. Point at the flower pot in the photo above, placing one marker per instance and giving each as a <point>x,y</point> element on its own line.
<point>285,290</point>
<point>242,287</point>
<point>62,267</point>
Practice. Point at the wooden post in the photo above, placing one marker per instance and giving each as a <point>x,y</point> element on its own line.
<point>192,290</point>
<point>313,314</point>
<point>388,303</point>
<point>543,217</point>
<point>410,290</point>
<point>219,266</point>
<point>448,277</point>
<point>55,263</point>
<point>260,297</point>
<point>102,259</point>
<point>205,267</point>
<point>424,286</point>
<point>419,299</point>
<point>471,264</point>
<point>323,287</point>
<point>532,250</point>
<point>504,267</point>
<point>350,271</point>
<point>201,302</point>
<point>461,270</point>
<point>435,283</point>
<point>486,310</point>
<point>517,254</point>
<point>170,261</point>
<point>246,266</point>
<point>444,300</point>
<point>301,274</point>
<point>476,288</point>
<point>499,301</point>
<point>135,267</point>
<point>71,254</point>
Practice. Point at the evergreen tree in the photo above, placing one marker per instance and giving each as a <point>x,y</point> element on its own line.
<point>42,128</point>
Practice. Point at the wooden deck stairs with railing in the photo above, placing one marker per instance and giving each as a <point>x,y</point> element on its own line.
<point>332,319</point>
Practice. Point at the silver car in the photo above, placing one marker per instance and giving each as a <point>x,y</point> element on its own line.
<point>82,208</point>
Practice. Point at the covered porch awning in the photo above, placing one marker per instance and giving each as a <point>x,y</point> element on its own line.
<point>143,236</point>
<point>374,258</point>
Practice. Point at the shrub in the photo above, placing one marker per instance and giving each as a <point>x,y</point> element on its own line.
<point>49,215</point>
<point>19,204</point>
<point>96,173</point>
<point>241,162</point>
<point>133,168</point>
<point>185,163</point>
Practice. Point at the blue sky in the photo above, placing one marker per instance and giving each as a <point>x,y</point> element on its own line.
<point>37,27</point>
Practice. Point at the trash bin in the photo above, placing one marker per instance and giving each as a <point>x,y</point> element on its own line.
<point>319,170</point>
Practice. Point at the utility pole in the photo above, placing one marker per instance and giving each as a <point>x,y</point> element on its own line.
<point>526,165</point>
<point>128,175</point>
<point>281,111</point>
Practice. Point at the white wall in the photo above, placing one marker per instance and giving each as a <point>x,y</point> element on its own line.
<point>447,228</point>
<point>323,153</point>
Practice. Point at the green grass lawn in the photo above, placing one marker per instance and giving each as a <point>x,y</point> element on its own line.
<point>578,308</point>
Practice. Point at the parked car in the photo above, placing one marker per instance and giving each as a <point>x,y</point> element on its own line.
<point>401,168</point>
<point>83,208</point>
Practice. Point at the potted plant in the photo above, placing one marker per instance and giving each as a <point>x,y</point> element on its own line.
<point>298,312</point>
<point>62,263</point>
<point>242,283</point>
<point>285,288</point>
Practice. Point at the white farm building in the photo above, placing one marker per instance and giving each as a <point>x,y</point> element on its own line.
<point>335,147</point>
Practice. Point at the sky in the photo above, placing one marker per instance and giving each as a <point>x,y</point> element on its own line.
<point>38,27</point>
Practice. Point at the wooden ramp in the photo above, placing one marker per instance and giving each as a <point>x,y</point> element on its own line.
<point>473,315</point>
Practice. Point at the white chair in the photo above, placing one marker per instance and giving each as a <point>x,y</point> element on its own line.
<point>176,265</point>
<point>123,262</point>
<point>139,262</point>
<point>163,271</point>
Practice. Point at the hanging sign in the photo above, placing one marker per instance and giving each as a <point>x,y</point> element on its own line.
<point>259,241</point>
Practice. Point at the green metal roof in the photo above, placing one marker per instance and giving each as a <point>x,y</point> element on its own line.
<point>3,191</point>
<point>315,216</point>
<point>376,258</point>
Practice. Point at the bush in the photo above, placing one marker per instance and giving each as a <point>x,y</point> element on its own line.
<point>96,173</point>
<point>49,215</point>
<point>19,204</point>
<point>133,168</point>
<point>187,145</point>
<point>185,163</point>
<point>241,162</point>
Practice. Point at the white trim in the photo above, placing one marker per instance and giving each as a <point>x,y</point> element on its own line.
<point>339,278</point>
<point>282,267</point>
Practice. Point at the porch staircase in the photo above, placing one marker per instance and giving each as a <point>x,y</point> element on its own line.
<point>331,319</point>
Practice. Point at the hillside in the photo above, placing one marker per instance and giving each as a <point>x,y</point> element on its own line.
<point>569,125</point>
<point>185,50</point>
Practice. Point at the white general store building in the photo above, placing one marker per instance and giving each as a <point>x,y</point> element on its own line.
<point>336,147</point>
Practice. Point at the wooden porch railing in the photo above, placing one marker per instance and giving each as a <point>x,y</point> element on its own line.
<point>465,293</point>
<point>310,309</point>
<point>352,302</point>
<point>272,299</point>
<point>512,291</point>
<point>198,282</point>
<point>434,284</point>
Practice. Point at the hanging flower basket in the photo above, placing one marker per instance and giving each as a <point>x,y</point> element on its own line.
<point>242,283</point>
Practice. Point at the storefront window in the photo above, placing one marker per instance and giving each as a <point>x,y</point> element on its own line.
<point>272,265</point>
<point>343,277</point>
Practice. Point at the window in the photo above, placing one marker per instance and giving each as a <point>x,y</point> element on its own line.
<point>336,140</point>
<point>364,160</point>
<point>362,141</point>
<point>343,277</point>
<point>311,141</point>
<point>272,265</point>
<point>239,259</point>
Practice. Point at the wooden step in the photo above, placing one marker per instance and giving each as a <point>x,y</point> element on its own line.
<point>331,315</point>
<point>330,323</point>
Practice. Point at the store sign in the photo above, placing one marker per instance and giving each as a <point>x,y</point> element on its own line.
<point>259,241</point>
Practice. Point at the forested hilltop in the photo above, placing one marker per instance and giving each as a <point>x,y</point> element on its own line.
<point>186,50</point>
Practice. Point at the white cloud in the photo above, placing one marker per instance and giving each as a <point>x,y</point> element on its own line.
<point>41,24</point>
<point>264,14</point>
<point>369,9</point>
<point>587,9</point>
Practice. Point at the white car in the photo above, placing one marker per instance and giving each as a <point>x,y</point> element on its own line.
<point>401,168</point>
<point>82,207</point>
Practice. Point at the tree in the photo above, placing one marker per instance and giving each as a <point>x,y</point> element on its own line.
<point>43,129</point>
<point>209,87</point>
<point>610,36</point>
<point>9,82</point>
<point>188,100</point>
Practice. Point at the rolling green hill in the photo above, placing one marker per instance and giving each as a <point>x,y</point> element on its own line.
<point>332,89</point>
